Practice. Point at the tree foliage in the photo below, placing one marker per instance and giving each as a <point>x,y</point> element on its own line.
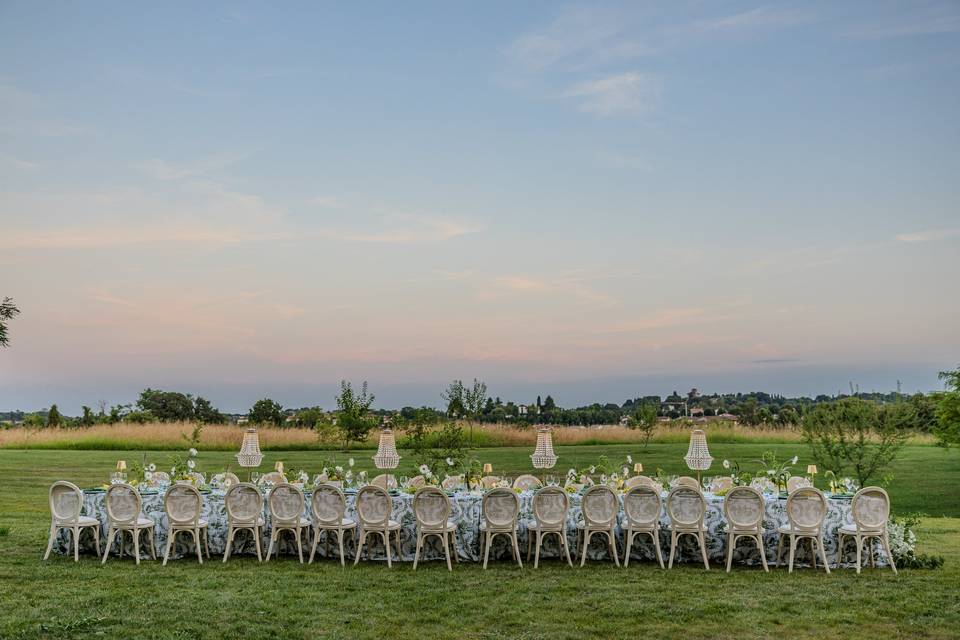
<point>54,418</point>
<point>266,411</point>
<point>8,311</point>
<point>353,412</point>
<point>644,419</point>
<point>857,435</point>
<point>947,428</point>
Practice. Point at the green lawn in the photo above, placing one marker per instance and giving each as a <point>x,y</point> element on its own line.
<point>60,599</point>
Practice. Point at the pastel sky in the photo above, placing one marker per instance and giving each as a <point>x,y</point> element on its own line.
<point>594,201</point>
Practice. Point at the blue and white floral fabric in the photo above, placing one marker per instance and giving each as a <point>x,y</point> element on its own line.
<point>466,512</point>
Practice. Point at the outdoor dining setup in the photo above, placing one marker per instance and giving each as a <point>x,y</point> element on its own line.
<point>614,516</point>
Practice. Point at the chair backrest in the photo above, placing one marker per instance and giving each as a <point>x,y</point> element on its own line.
<point>374,506</point>
<point>431,507</point>
<point>489,482</point>
<point>599,505</point>
<point>274,477</point>
<point>451,482</point>
<point>385,481</point>
<point>123,504</point>
<point>871,508</point>
<point>763,484</point>
<point>642,505</point>
<point>796,482</point>
<point>550,506</point>
<point>230,479</point>
<point>183,504</point>
<point>686,506</point>
<point>527,482</point>
<point>244,502</point>
<point>687,481</point>
<point>744,508</point>
<point>286,504</point>
<point>159,477</point>
<point>806,508</point>
<point>329,505</point>
<point>721,483</point>
<point>66,501</point>
<point>636,481</point>
<point>416,482</point>
<point>500,508</point>
<point>198,478</point>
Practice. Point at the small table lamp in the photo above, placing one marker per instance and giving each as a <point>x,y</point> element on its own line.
<point>638,467</point>
<point>811,471</point>
<point>487,468</point>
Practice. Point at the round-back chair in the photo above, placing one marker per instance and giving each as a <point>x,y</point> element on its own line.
<point>642,507</point>
<point>686,509</point>
<point>244,504</point>
<point>527,482</point>
<point>184,507</point>
<point>432,508</point>
<point>871,511</point>
<point>744,508</point>
<point>806,510</point>
<point>500,509</point>
<point>374,508</point>
<point>123,504</point>
<point>66,506</point>
<point>599,506</point>
<point>287,504</point>
<point>328,506</point>
<point>550,505</point>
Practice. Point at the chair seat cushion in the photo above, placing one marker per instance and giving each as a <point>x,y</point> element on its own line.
<point>391,526</point>
<point>787,530</point>
<point>248,523</point>
<point>596,527</point>
<point>506,527</point>
<point>141,523</point>
<point>346,523</point>
<point>87,521</point>
<point>187,525</point>
<point>533,525</point>
<point>688,529</point>
<point>851,530</point>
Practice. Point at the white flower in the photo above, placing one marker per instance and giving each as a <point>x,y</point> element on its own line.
<point>191,464</point>
<point>317,480</point>
<point>794,460</point>
<point>770,472</point>
<point>625,470</point>
<point>148,476</point>
<point>350,462</point>
<point>726,464</point>
<point>152,467</point>
<point>424,469</point>
<point>338,469</point>
<point>629,459</point>
<point>593,469</point>
<point>449,462</point>
<point>349,475</point>
<point>428,474</point>
<point>303,476</point>
<point>193,452</point>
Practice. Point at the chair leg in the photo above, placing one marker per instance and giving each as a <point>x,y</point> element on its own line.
<point>273,537</point>
<point>51,538</point>
<point>396,540</point>
<point>836,565</point>
<point>731,542</point>
<point>763,554</point>
<point>196,543</point>
<point>76,544</point>
<point>516,547</point>
<point>529,545</point>
<point>536,557</point>
<point>779,547</point>
<point>206,540</point>
<point>703,550</point>
<point>446,551</point>
<point>257,534</point>
<point>170,536</point>
<point>453,546</point>
<point>106,552</point>
<point>566,547</point>
<point>613,547</point>
<point>386,544</point>
<point>153,544</point>
<point>823,553</point>
<point>859,551</point>
<point>486,549</point>
<point>673,547</point>
<point>586,543</point>
<point>299,531</point>
<point>363,537</point>
<point>886,547</point>
<point>655,536</point>
<point>627,543</point>
<point>96,537</point>
<point>136,545</point>
<point>340,541</point>
<point>813,555</point>
<point>416,554</point>
<point>793,549</point>
<point>313,547</point>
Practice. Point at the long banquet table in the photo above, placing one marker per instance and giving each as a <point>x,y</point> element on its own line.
<point>467,513</point>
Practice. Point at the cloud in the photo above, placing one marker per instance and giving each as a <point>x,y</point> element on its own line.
<point>929,235</point>
<point>165,170</point>
<point>759,17</point>
<point>916,20</point>
<point>327,202</point>
<point>416,229</point>
<point>18,163</point>
<point>629,92</point>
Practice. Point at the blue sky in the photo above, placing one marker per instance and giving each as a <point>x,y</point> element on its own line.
<point>594,201</point>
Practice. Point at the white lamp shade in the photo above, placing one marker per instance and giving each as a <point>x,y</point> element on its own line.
<point>543,456</point>
<point>387,456</point>
<point>250,455</point>
<point>698,455</point>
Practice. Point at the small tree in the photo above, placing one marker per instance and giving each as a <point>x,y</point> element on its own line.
<point>353,419</point>
<point>7,312</point>
<point>455,399</point>
<point>947,428</point>
<point>857,434</point>
<point>644,419</point>
<point>266,411</point>
<point>88,419</point>
<point>54,419</point>
<point>205,413</point>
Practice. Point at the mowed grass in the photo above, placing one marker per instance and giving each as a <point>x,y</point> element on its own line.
<point>243,599</point>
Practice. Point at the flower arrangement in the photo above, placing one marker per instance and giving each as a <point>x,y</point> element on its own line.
<point>182,468</point>
<point>840,486</point>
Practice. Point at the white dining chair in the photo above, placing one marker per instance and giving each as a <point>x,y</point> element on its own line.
<point>599,507</point>
<point>721,483</point>
<point>274,477</point>
<point>686,509</point>
<point>797,482</point>
<point>184,507</point>
<point>124,506</point>
<point>527,482</point>
<point>244,504</point>
<point>287,504</point>
<point>743,508</point>
<point>329,505</point>
<point>66,505</point>
<point>449,483</point>
<point>374,508</point>
<point>687,481</point>
<point>490,482</point>
<point>550,505</point>
<point>636,481</point>
<point>385,481</point>
<point>871,511</point>
<point>499,509</point>
<point>806,511</point>
<point>431,507</point>
<point>642,506</point>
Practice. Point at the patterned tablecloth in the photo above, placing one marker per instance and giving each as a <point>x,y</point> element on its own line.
<point>466,512</point>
